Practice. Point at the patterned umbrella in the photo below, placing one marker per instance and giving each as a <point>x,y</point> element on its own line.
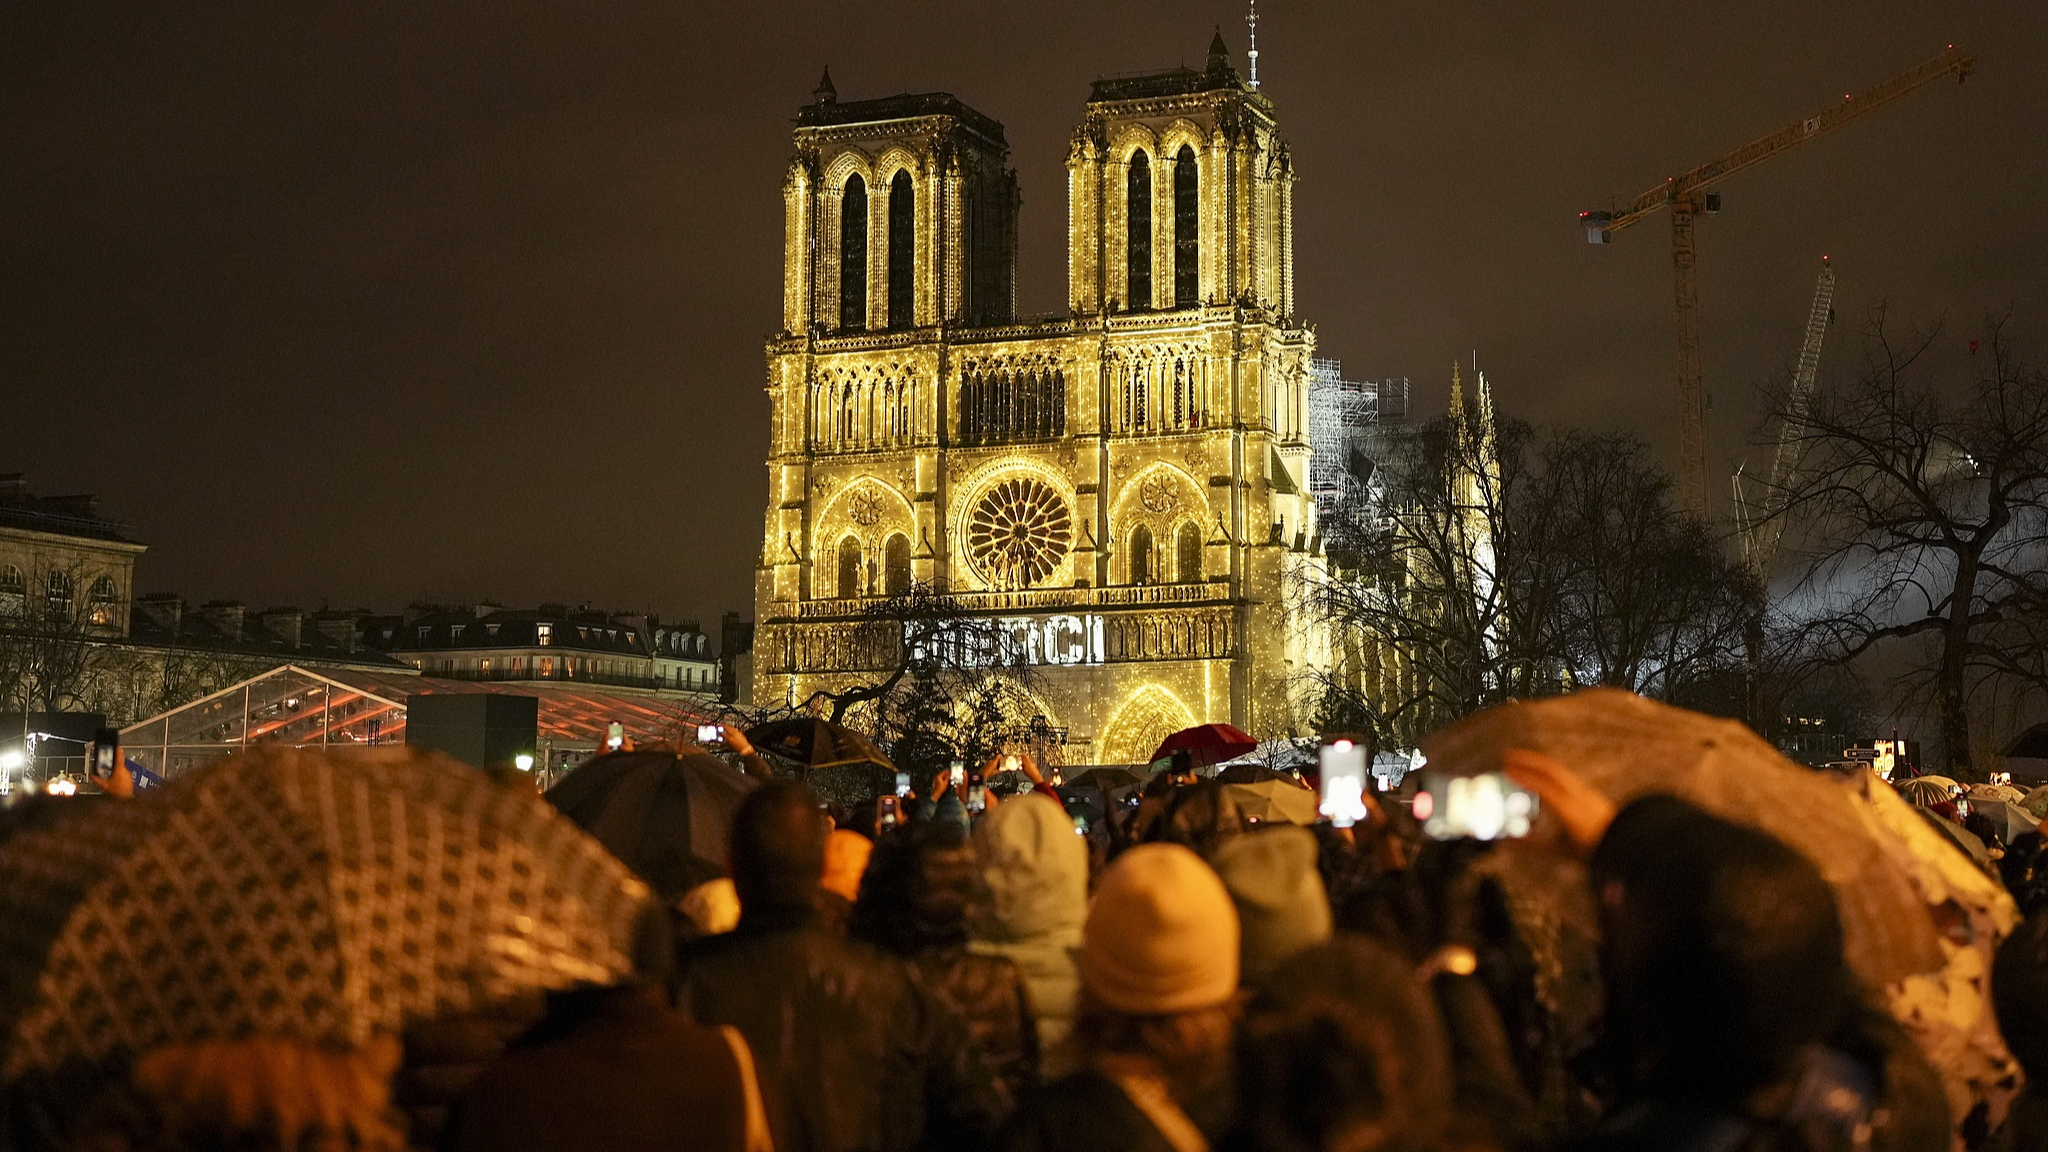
<point>1627,747</point>
<point>2037,801</point>
<point>297,894</point>
<point>2003,793</point>
<point>1923,791</point>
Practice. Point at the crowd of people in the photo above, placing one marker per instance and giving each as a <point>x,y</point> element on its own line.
<point>940,974</point>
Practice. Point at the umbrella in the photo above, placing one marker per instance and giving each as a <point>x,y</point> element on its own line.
<point>1922,791</point>
<point>852,785</point>
<point>1627,746</point>
<point>1274,801</point>
<point>292,893</point>
<point>1280,752</point>
<point>1206,744</point>
<point>809,742</point>
<point>1999,792</point>
<point>1250,774</point>
<point>665,816</point>
<point>1944,781</point>
<point>2037,801</point>
<point>1971,844</point>
<point>2010,819</point>
<point>1106,779</point>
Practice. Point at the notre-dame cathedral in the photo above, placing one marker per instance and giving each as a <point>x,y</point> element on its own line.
<point>1123,488</point>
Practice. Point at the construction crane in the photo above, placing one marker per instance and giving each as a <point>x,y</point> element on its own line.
<point>1761,523</point>
<point>1686,196</point>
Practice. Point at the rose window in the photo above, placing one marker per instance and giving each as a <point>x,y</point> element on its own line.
<point>1019,532</point>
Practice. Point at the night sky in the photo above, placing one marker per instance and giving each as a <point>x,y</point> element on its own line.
<point>368,302</point>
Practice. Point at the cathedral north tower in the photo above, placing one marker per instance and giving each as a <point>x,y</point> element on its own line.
<point>1121,488</point>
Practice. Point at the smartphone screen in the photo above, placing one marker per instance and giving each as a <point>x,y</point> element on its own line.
<point>710,733</point>
<point>1012,763</point>
<point>903,783</point>
<point>977,797</point>
<point>1343,783</point>
<point>888,811</point>
<point>1484,807</point>
<point>959,771</point>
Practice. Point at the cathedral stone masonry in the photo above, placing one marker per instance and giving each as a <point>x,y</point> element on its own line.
<point>1124,487</point>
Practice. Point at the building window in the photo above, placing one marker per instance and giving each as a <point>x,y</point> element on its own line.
<point>1187,250</point>
<point>1188,546</point>
<point>423,633</point>
<point>1138,236</point>
<point>1141,555</point>
<point>902,251</point>
<point>103,603</point>
<point>544,635</point>
<point>57,589</point>
<point>853,254</point>
<point>13,591</point>
<point>849,568</point>
<point>896,565</point>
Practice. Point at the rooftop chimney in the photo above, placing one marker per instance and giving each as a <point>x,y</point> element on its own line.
<point>226,615</point>
<point>287,623</point>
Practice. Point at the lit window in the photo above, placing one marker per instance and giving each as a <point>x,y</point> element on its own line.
<point>544,634</point>
<point>104,607</point>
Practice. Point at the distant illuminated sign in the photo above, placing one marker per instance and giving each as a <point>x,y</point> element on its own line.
<point>1061,640</point>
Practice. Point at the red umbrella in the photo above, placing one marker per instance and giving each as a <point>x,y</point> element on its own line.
<point>1206,744</point>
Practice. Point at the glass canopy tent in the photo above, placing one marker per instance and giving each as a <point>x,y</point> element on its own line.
<point>294,706</point>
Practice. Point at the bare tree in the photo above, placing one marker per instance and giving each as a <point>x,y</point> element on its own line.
<point>1524,567</point>
<point>1921,516</point>
<point>48,657</point>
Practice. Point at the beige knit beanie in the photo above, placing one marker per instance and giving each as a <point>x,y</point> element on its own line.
<point>1161,935</point>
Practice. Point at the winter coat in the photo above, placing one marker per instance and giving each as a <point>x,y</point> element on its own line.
<point>854,1053</point>
<point>988,993</point>
<point>1084,1112</point>
<point>613,1068</point>
<point>1035,871</point>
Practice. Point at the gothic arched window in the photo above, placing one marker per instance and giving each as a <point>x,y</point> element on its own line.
<point>1140,402</point>
<point>1188,547</point>
<point>1180,393</point>
<point>1141,555</point>
<point>1138,241</point>
<point>849,568</point>
<point>1187,222</point>
<point>902,251</point>
<point>896,565</point>
<point>1058,400</point>
<point>853,254</point>
<point>970,407</point>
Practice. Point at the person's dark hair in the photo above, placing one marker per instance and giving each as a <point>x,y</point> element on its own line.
<point>1721,951</point>
<point>1981,826</point>
<point>918,890</point>
<point>1343,1048</point>
<point>1199,816</point>
<point>2019,992</point>
<point>778,847</point>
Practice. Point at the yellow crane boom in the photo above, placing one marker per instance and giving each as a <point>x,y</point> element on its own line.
<point>1686,196</point>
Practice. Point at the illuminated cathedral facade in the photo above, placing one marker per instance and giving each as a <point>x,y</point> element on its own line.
<point>1122,488</point>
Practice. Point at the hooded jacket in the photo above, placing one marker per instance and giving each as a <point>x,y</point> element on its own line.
<point>1035,871</point>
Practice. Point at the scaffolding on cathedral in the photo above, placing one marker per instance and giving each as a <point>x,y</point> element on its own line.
<point>1343,416</point>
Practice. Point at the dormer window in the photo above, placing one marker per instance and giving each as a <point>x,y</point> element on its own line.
<point>544,634</point>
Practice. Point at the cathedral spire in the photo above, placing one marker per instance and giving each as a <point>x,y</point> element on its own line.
<point>825,92</point>
<point>1251,54</point>
<point>1219,52</point>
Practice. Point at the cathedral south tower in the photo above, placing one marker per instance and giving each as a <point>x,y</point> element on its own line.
<point>1122,488</point>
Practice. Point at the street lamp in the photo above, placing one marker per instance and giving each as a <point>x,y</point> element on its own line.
<point>523,761</point>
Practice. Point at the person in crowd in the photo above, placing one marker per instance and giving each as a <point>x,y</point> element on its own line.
<point>2019,993</point>
<point>258,1094</point>
<point>1281,906</point>
<point>1343,1049</point>
<point>914,903</point>
<point>617,1068</point>
<point>1731,1018</point>
<point>854,1054</point>
<point>846,859</point>
<point>1201,816</point>
<point>1159,973</point>
<point>1034,886</point>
